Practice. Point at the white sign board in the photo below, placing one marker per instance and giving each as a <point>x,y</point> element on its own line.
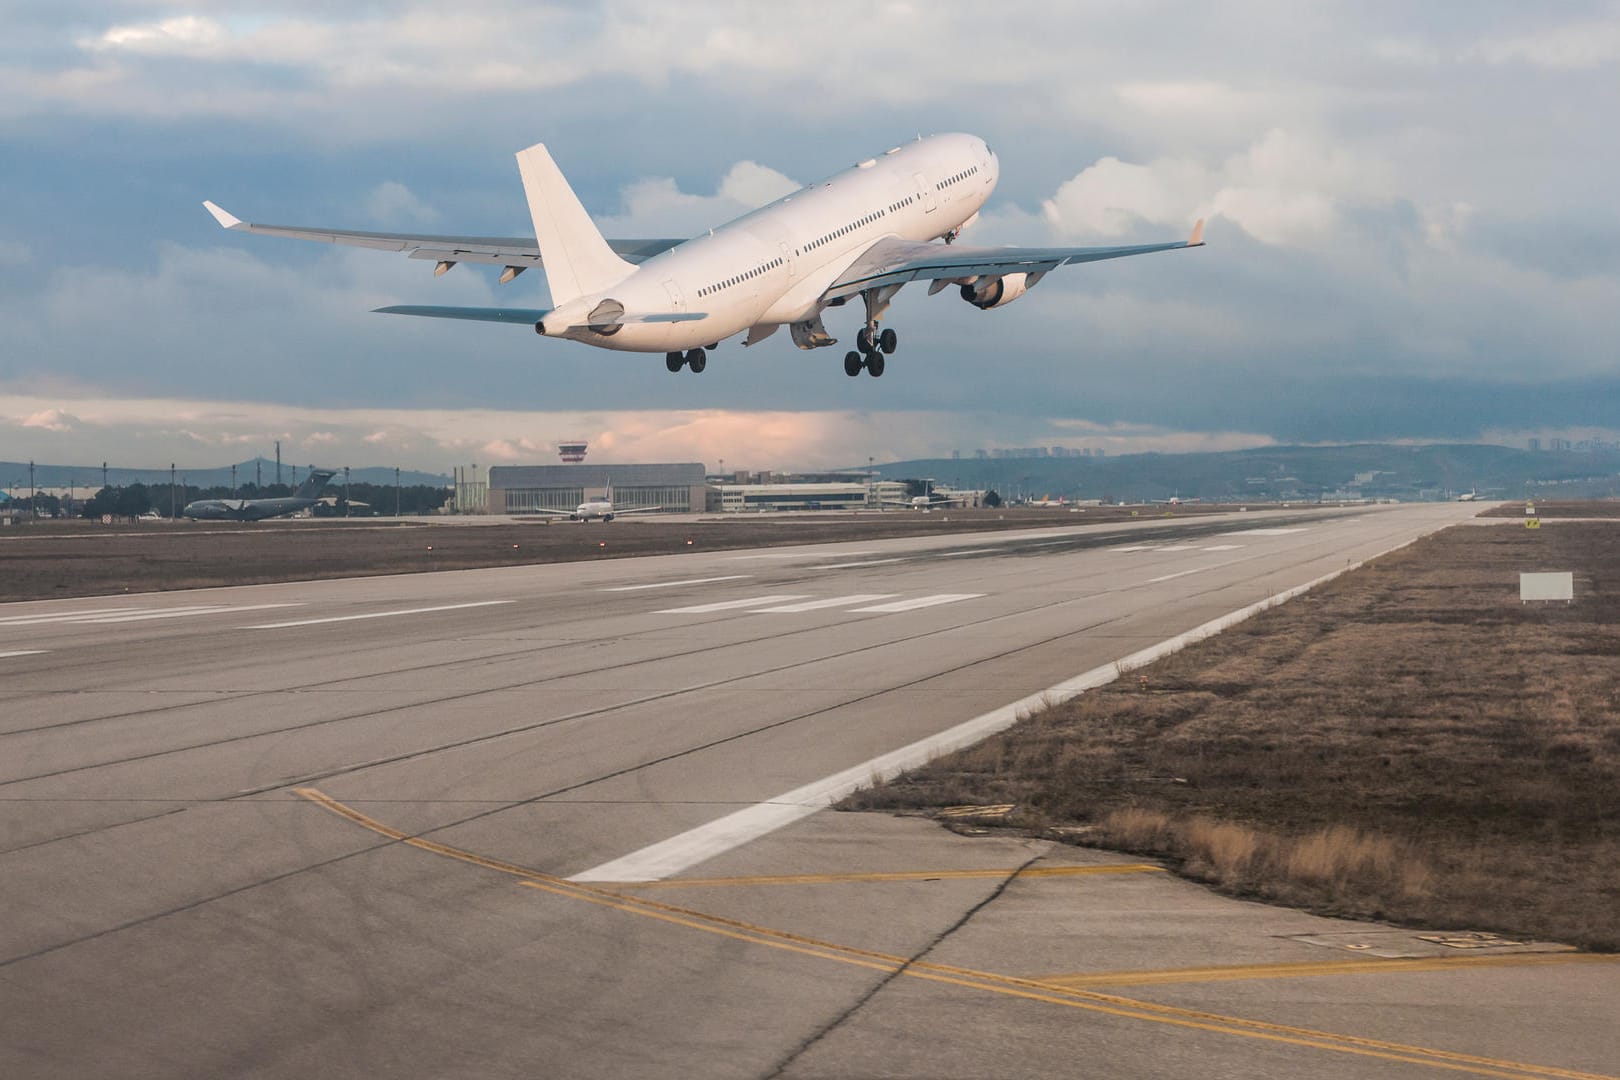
<point>1547,586</point>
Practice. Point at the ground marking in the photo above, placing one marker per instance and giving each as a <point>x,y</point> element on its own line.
<point>920,602</point>
<point>1008,986</point>
<point>375,615</point>
<point>802,555</point>
<point>1134,547</point>
<point>1268,532</point>
<point>672,584</point>
<point>687,849</point>
<point>730,605</point>
<point>852,565</point>
<point>23,652</point>
<point>176,613</point>
<point>39,617</point>
<point>1223,547</point>
<point>1171,577</point>
<point>817,605</point>
<point>1364,966</point>
<point>896,876</point>
<point>1177,547</point>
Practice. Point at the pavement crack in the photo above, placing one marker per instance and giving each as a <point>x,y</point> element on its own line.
<point>916,958</point>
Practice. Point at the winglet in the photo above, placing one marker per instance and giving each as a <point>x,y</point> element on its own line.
<point>1197,237</point>
<point>226,220</point>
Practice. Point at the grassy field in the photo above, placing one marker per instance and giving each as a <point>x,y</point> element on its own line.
<point>1408,742</point>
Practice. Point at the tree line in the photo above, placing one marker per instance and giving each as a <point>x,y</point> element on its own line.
<point>133,500</point>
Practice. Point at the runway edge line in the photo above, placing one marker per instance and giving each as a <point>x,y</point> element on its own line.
<point>688,849</point>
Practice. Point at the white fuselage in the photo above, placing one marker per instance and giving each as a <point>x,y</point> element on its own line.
<point>772,266</point>
<point>594,508</point>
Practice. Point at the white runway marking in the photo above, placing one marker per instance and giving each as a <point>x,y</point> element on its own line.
<point>678,853</point>
<point>921,602</point>
<point>1134,547</point>
<point>1177,547</point>
<point>1269,532</point>
<point>801,555</point>
<point>817,605</point>
<point>23,652</point>
<point>1172,577</point>
<point>849,565</point>
<point>178,613</point>
<point>730,605</point>
<point>375,615</point>
<point>673,584</point>
<point>1223,547</point>
<point>105,616</point>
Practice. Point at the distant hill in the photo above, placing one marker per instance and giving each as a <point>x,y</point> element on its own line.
<point>14,475</point>
<point>1373,471</point>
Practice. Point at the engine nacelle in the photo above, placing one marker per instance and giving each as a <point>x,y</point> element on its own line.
<point>994,292</point>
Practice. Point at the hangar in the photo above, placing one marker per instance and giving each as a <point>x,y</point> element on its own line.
<point>520,489</point>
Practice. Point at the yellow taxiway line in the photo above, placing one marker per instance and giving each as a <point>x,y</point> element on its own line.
<point>1008,986</point>
<point>1370,965</point>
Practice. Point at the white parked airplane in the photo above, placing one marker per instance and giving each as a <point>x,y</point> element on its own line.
<point>596,508</point>
<point>864,232</point>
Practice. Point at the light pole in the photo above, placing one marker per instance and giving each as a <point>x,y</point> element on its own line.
<point>174,509</point>
<point>345,491</point>
<point>396,491</point>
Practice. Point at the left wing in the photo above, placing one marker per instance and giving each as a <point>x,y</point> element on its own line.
<point>514,252</point>
<point>895,262</point>
<point>530,316</point>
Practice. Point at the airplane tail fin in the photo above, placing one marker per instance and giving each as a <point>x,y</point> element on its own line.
<point>313,483</point>
<point>577,260</point>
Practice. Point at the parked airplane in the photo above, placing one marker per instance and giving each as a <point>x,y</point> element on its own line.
<point>308,494</point>
<point>864,232</point>
<point>596,508</point>
<point>928,502</point>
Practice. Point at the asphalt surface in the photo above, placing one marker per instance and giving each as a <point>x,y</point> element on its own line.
<point>388,826</point>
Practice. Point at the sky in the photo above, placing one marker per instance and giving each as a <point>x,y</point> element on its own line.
<point>1413,232</point>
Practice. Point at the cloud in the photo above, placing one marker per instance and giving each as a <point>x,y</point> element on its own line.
<point>51,420</point>
<point>657,206</point>
<point>1574,45</point>
<point>391,202</point>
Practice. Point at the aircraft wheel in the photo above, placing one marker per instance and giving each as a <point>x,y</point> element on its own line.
<point>874,365</point>
<point>697,360</point>
<point>674,361</point>
<point>889,341</point>
<point>853,364</point>
<point>863,339</point>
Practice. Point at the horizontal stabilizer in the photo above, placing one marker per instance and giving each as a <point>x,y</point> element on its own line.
<point>524,316</point>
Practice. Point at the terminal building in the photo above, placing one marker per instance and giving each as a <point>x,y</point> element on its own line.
<point>523,489</point>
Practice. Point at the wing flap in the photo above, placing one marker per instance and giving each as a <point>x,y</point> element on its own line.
<point>530,316</point>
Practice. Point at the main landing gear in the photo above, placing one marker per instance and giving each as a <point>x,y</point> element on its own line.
<point>696,359</point>
<point>872,347</point>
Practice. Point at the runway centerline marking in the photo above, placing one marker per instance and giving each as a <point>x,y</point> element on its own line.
<point>1268,532</point>
<point>990,982</point>
<point>731,605</point>
<point>852,565</point>
<point>802,555</point>
<point>1172,577</point>
<point>376,615</point>
<point>1223,547</point>
<point>24,652</point>
<point>920,602</point>
<point>177,613</point>
<point>673,584</point>
<point>818,605</point>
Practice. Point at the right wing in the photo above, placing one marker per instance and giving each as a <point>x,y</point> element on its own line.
<point>516,252</point>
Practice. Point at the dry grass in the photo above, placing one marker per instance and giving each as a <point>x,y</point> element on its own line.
<point>1408,742</point>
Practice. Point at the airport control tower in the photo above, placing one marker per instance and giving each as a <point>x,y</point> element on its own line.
<point>571,450</point>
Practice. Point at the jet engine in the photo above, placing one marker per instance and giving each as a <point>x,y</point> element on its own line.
<point>994,292</point>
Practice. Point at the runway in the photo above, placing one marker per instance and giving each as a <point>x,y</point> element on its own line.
<point>552,820</point>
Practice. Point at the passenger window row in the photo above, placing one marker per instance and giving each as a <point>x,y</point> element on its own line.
<point>957,179</point>
<point>857,223</point>
<point>740,278</point>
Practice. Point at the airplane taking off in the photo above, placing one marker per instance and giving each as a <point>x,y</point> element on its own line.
<point>865,232</point>
<point>308,494</point>
<point>596,508</point>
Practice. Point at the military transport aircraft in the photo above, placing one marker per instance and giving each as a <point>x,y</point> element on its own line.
<point>308,494</point>
<point>865,232</point>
